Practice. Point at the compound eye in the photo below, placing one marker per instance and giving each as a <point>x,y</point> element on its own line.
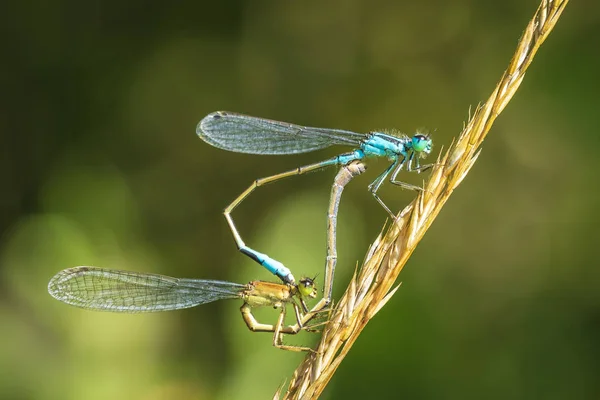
<point>306,287</point>
<point>421,143</point>
<point>307,282</point>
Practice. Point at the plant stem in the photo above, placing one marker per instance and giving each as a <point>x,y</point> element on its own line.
<point>373,285</point>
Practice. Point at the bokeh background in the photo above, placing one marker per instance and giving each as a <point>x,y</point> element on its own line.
<point>100,165</point>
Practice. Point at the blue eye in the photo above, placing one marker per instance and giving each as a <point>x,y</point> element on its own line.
<point>421,143</point>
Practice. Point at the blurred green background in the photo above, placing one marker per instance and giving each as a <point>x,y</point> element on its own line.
<point>100,165</point>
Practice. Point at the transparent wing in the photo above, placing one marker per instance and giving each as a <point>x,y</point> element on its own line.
<point>246,134</point>
<point>122,291</point>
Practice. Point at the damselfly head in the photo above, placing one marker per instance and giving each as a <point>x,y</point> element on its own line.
<point>307,288</point>
<point>421,143</point>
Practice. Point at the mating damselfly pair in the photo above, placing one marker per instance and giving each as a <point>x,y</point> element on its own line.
<point>121,291</point>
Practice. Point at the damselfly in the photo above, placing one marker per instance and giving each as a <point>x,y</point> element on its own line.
<point>246,134</point>
<point>135,292</point>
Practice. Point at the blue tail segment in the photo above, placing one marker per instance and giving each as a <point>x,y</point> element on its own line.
<point>274,266</point>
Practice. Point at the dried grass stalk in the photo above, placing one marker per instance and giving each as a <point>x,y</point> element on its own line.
<point>372,286</point>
